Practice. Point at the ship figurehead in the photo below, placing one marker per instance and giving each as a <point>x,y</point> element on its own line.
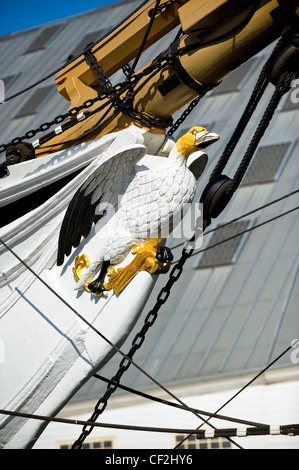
<point>128,206</point>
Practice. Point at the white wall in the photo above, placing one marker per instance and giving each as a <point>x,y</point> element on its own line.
<point>268,404</point>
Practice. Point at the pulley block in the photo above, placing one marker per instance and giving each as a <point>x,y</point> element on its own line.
<point>19,153</point>
<point>215,197</point>
<point>284,59</point>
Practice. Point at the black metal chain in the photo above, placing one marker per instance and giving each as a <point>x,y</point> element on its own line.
<point>162,60</point>
<point>57,120</point>
<point>92,62</point>
<point>282,86</point>
<point>140,336</point>
<point>158,64</point>
<point>113,92</point>
<point>184,115</point>
<point>125,104</point>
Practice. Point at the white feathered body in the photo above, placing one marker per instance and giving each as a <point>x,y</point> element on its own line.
<point>154,190</point>
<point>152,201</point>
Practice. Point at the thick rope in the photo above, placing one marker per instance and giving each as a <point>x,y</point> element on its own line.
<point>282,87</point>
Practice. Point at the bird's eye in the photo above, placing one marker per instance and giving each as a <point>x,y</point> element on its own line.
<point>194,132</point>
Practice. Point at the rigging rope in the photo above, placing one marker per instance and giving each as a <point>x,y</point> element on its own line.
<point>243,231</point>
<point>73,58</point>
<point>286,429</point>
<point>177,405</point>
<point>136,344</point>
<point>139,338</point>
<point>250,382</point>
<point>292,429</point>
<point>218,227</point>
<point>289,70</point>
<point>283,85</point>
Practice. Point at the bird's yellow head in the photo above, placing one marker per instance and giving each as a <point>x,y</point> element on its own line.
<point>195,139</point>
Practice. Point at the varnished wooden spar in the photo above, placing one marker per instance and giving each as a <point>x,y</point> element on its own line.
<point>227,19</point>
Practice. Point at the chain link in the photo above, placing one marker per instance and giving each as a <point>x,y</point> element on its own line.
<point>113,92</point>
<point>158,63</point>
<point>184,115</point>
<point>91,60</point>
<point>138,340</point>
<point>162,7</point>
<point>57,120</point>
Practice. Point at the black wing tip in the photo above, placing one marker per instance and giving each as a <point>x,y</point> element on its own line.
<point>60,260</point>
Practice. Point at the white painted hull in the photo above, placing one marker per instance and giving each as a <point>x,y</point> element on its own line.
<point>49,352</point>
<point>27,177</point>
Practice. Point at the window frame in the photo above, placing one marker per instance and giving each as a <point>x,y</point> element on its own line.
<point>237,251</point>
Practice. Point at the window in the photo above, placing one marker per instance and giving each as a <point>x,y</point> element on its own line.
<point>225,253</point>
<point>291,101</point>
<point>104,443</point>
<point>31,105</point>
<point>267,163</point>
<point>43,38</point>
<point>235,80</point>
<point>193,443</point>
<point>88,38</point>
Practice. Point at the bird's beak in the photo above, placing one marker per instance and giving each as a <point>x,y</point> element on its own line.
<point>205,138</point>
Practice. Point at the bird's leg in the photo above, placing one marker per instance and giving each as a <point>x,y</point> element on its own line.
<point>164,254</point>
<point>97,286</point>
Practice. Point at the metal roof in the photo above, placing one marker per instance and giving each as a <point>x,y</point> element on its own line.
<point>219,320</point>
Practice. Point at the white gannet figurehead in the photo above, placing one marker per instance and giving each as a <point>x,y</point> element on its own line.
<point>152,198</point>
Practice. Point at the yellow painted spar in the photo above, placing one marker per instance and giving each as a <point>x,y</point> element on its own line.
<point>222,23</point>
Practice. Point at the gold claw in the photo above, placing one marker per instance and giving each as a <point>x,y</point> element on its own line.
<point>144,260</point>
<point>81,261</point>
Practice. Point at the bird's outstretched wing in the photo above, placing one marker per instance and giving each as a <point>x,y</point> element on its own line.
<point>105,184</point>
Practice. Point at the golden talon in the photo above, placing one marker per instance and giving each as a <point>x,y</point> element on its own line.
<point>144,260</point>
<point>81,261</point>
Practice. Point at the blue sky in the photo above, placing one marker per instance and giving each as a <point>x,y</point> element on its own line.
<point>16,15</point>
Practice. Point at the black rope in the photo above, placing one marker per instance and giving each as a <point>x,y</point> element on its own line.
<point>291,429</point>
<point>289,36</point>
<point>149,27</point>
<point>246,385</point>
<point>136,344</point>
<point>244,231</point>
<point>282,87</point>
<point>286,429</point>
<point>72,58</point>
<point>256,95</point>
<point>151,317</point>
<point>232,221</point>
<point>177,405</point>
